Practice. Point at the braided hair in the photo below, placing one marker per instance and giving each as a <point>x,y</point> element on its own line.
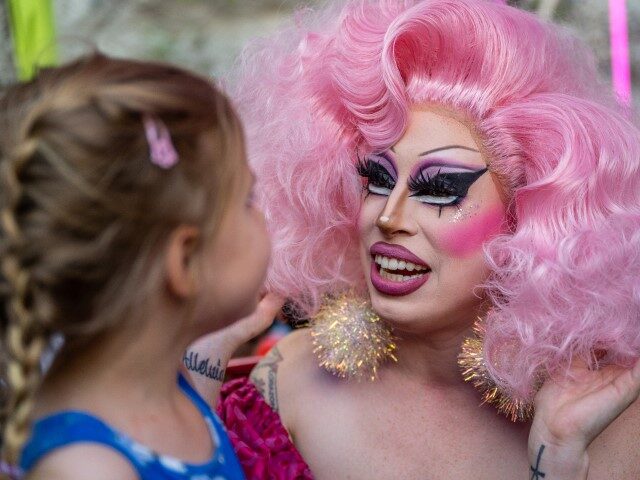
<point>83,212</point>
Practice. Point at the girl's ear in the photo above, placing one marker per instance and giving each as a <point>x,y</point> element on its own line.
<point>180,270</point>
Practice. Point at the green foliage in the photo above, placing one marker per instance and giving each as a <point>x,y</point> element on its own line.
<point>33,30</point>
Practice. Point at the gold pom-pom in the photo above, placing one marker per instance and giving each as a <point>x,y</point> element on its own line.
<point>349,338</point>
<point>474,370</point>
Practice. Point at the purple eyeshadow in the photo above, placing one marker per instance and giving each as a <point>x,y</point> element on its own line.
<point>385,161</point>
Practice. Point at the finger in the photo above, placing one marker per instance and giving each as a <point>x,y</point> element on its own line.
<point>635,379</point>
<point>627,383</point>
<point>577,363</point>
<point>623,390</point>
<point>579,370</point>
<point>262,293</point>
<point>271,304</point>
<point>636,370</point>
<point>261,319</point>
<point>587,369</point>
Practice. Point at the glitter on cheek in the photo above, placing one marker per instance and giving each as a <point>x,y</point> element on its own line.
<point>465,213</point>
<point>468,237</point>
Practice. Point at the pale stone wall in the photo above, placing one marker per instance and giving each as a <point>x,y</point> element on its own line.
<point>589,19</point>
<point>207,35</point>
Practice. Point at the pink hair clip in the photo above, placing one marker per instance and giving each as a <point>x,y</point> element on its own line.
<point>163,153</point>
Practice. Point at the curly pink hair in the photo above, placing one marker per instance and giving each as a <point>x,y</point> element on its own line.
<point>565,281</point>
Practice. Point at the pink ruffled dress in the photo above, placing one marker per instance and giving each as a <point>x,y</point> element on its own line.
<point>258,436</point>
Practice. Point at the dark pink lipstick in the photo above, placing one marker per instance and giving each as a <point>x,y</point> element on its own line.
<point>391,287</point>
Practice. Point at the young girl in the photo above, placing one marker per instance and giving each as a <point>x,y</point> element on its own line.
<point>128,229</point>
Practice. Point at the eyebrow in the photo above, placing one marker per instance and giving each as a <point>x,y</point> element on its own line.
<point>439,149</point>
<point>448,147</point>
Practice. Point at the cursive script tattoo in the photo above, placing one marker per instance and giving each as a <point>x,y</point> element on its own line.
<point>265,377</point>
<point>203,367</point>
<point>536,473</point>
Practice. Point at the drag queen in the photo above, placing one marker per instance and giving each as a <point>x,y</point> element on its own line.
<point>454,201</point>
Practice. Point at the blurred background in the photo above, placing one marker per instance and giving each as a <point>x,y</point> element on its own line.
<point>207,35</point>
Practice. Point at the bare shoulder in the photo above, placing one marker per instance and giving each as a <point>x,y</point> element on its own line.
<point>284,371</point>
<point>82,461</point>
<point>297,345</point>
<point>615,453</point>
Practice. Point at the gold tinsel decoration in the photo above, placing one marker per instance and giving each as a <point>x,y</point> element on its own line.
<point>474,370</point>
<point>349,338</point>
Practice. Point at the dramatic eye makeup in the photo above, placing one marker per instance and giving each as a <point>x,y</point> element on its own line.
<point>442,185</point>
<point>438,182</point>
<point>379,172</point>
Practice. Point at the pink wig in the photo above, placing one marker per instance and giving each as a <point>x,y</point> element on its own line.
<point>565,281</point>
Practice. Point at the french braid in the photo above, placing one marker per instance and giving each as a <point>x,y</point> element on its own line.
<point>25,334</point>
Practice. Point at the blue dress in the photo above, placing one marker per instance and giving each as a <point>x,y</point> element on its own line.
<point>69,427</point>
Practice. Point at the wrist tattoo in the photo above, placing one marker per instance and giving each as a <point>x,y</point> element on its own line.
<point>203,367</point>
<point>265,377</point>
<point>536,473</point>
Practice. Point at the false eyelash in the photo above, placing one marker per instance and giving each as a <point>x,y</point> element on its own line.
<point>445,184</point>
<point>437,185</point>
<point>374,173</point>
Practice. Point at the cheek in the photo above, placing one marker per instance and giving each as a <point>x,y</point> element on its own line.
<point>467,238</point>
<point>368,214</point>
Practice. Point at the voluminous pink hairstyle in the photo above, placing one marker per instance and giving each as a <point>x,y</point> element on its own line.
<point>565,281</point>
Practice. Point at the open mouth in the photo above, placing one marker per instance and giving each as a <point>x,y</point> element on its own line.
<point>398,270</point>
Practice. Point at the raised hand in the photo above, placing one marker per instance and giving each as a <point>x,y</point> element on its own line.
<point>571,413</point>
<point>206,359</point>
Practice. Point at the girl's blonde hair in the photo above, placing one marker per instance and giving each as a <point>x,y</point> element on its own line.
<point>83,210</point>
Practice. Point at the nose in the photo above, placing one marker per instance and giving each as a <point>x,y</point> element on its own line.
<point>395,218</point>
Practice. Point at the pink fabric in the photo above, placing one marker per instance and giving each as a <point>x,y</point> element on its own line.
<point>258,436</point>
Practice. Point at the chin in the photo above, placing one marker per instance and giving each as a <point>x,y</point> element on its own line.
<point>399,311</point>
<point>424,313</point>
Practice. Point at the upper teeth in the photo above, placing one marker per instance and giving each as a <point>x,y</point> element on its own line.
<point>390,263</point>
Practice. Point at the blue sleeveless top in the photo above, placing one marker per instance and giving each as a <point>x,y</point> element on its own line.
<point>69,427</point>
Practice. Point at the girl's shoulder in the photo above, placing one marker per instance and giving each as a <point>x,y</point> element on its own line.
<point>82,461</point>
<point>67,443</point>
<point>62,441</point>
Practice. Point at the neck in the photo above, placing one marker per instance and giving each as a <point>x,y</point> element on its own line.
<point>429,349</point>
<point>138,363</point>
<point>432,357</point>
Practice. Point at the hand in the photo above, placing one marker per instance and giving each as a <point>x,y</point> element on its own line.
<point>571,413</point>
<point>206,359</point>
<point>228,339</point>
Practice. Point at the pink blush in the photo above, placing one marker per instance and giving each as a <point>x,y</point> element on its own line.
<point>468,237</point>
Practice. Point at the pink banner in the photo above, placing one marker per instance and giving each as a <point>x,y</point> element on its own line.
<point>620,65</point>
